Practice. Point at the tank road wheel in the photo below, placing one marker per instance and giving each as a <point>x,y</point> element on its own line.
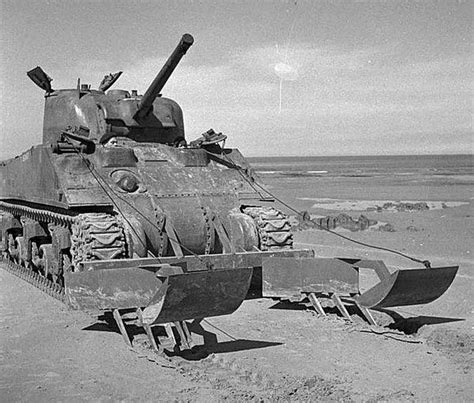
<point>12,247</point>
<point>43,259</point>
<point>65,267</point>
<point>47,257</point>
<point>36,260</point>
<point>67,263</point>
<point>34,254</point>
<point>21,258</point>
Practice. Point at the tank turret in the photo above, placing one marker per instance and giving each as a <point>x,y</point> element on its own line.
<point>115,113</point>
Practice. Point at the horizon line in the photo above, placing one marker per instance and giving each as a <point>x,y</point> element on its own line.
<point>358,155</point>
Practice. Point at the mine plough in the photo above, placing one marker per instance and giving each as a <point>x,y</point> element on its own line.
<point>174,291</point>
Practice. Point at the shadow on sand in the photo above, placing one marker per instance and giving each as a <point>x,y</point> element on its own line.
<point>413,324</point>
<point>408,326</point>
<point>304,305</point>
<point>210,343</point>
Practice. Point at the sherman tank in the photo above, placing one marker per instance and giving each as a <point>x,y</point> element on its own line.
<point>116,212</point>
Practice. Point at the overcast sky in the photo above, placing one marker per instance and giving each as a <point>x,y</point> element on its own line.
<point>367,77</point>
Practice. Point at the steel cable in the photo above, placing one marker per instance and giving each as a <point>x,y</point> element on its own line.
<point>103,182</point>
<point>244,175</point>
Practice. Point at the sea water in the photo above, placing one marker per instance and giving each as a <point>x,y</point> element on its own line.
<point>366,166</point>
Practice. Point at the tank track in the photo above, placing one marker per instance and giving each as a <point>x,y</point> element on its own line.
<point>93,236</point>
<point>37,214</point>
<point>273,227</point>
<point>97,236</point>
<point>27,274</point>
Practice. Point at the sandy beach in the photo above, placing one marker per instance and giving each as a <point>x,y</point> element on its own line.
<point>165,160</point>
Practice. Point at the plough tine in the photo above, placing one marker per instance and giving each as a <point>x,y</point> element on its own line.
<point>170,334</point>
<point>148,331</point>
<point>121,326</point>
<point>151,338</point>
<point>316,304</point>
<point>182,336</point>
<point>366,313</point>
<point>187,334</point>
<point>337,301</point>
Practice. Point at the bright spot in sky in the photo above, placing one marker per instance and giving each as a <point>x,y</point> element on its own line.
<point>286,72</point>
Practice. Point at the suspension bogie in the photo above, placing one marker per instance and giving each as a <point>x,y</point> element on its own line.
<point>45,245</point>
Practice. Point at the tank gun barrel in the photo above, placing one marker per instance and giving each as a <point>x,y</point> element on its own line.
<point>162,77</point>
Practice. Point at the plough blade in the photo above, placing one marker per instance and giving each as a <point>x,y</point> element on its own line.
<point>409,287</point>
<point>293,277</point>
<point>166,297</point>
<point>100,290</point>
<point>198,294</point>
